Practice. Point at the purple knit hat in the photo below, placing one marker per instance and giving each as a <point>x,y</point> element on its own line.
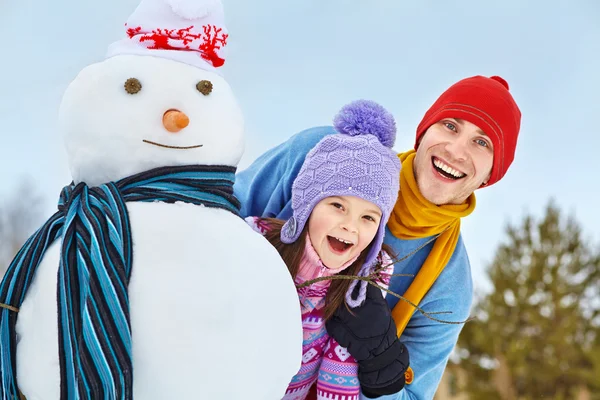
<point>357,161</point>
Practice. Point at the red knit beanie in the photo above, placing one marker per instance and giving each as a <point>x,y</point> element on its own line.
<point>487,103</point>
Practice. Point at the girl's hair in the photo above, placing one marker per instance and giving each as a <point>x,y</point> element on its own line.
<point>292,254</point>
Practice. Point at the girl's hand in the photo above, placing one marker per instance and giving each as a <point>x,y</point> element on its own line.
<point>369,334</point>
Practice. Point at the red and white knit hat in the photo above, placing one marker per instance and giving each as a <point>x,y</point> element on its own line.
<point>189,31</point>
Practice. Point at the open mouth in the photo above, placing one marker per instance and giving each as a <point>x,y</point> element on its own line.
<point>172,147</point>
<point>445,170</point>
<point>339,246</point>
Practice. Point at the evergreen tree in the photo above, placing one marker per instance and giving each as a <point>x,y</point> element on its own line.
<point>536,335</point>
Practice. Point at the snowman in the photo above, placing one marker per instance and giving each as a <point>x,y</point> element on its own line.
<point>146,283</point>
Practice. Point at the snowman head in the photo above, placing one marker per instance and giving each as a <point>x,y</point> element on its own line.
<point>158,99</point>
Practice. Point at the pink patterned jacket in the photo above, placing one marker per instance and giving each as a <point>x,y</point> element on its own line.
<point>324,361</point>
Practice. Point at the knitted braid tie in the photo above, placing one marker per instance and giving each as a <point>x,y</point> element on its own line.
<point>93,275</point>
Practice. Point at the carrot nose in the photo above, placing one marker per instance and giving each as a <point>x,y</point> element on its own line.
<point>175,120</point>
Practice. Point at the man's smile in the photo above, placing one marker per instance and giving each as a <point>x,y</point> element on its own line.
<point>446,170</point>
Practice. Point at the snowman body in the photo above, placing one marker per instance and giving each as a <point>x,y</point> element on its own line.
<point>206,321</point>
<point>214,312</point>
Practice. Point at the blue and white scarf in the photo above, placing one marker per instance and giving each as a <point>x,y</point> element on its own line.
<point>93,275</point>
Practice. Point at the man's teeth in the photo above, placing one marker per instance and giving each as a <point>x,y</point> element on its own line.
<point>447,169</point>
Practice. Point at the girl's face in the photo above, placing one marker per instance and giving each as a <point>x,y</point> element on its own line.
<point>341,227</point>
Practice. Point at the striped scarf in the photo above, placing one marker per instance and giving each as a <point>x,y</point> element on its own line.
<point>93,275</point>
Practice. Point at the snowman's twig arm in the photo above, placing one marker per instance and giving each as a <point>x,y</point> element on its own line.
<point>425,313</point>
<point>9,307</point>
<point>371,280</point>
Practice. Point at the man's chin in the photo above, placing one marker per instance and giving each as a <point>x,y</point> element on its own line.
<point>445,193</point>
<point>440,197</point>
<point>434,193</point>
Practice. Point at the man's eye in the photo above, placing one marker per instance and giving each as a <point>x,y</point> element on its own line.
<point>450,126</point>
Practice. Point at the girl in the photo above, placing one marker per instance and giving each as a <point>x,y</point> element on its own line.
<point>341,201</point>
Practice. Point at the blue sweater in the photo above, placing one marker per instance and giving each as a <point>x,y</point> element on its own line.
<point>264,189</point>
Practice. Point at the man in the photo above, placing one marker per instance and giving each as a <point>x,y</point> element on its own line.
<point>466,141</point>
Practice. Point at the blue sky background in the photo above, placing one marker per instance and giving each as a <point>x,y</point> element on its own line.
<point>294,63</point>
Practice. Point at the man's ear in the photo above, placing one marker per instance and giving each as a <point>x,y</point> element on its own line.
<point>486,180</point>
<point>419,141</point>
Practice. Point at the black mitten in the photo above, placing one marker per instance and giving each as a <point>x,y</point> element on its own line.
<point>369,334</point>
<point>384,374</point>
<point>366,330</point>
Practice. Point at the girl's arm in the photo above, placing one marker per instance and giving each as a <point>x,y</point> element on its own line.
<point>369,332</point>
<point>338,374</point>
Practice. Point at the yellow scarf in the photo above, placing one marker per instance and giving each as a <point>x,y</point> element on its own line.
<point>415,217</point>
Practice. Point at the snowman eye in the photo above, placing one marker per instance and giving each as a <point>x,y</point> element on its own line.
<point>132,85</point>
<point>204,87</point>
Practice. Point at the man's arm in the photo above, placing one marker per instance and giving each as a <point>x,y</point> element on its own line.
<point>265,188</point>
<point>430,343</point>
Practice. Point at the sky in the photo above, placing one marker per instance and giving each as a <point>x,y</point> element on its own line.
<point>293,64</point>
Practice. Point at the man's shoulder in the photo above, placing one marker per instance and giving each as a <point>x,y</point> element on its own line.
<point>460,256</point>
<point>455,282</point>
<point>308,138</point>
<point>458,270</point>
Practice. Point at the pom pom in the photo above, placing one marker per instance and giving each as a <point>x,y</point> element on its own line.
<point>366,117</point>
<point>501,80</point>
<point>193,9</point>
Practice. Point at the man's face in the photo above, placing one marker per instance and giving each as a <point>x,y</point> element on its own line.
<point>454,157</point>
